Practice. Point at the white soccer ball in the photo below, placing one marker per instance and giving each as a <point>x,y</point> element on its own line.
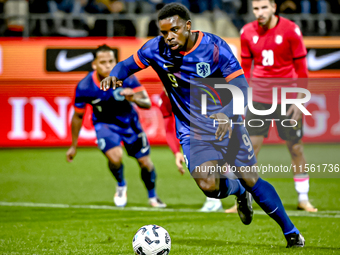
<point>151,240</point>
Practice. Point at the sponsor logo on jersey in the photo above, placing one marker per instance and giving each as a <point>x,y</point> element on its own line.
<point>70,60</point>
<point>145,149</point>
<point>203,69</point>
<point>117,95</point>
<point>167,65</point>
<point>101,143</point>
<point>96,101</point>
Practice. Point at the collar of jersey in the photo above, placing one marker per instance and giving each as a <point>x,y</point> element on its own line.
<point>199,39</point>
<point>95,79</point>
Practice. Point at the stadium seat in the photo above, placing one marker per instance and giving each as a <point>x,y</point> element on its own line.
<point>16,11</point>
<point>200,22</point>
<point>224,27</point>
<point>142,24</point>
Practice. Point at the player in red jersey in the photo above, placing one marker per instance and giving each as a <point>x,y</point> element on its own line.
<point>211,204</point>
<point>275,45</point>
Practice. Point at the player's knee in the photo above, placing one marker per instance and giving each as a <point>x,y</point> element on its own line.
<point>208,186</point>
<point>115,156</point>
<point>115,164</point>
<point>145,163</point>
<point>256,148</point>
<point>249,180</point>
<point>296,150</point>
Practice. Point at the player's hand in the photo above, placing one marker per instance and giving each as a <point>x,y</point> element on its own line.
<point>128,93</point>
<point>71,153</point>
<point>223,125</point>
<point>295,112</point>
<point>179,162</point>
<point>109,82</point>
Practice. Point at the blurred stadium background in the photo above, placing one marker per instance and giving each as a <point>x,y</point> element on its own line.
<point>44,53</point>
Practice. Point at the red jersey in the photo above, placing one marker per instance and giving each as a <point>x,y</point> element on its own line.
<point>273,51</point>
<point>169,122</point>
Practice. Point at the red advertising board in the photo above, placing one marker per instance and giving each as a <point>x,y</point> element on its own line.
<point>36,97</point>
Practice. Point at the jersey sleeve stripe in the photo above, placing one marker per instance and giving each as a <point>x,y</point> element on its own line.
<point>79,110</point>
<point>137,60</point>
<point>137,89</point>
<point>234,75</point>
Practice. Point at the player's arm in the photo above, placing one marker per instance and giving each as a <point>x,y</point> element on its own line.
<point>76,124</point>
<point>234,75</point>
<point>300,66</point>
<point>131,65</point>
<point>171,134</point>
<point>246,56</point>
<point>170,130</point>
<point>173,142</point>
<point>140,98</point>
<point>136,93</point>
<point>119,73</point>
<point>227,112</point>
<point>246,66</point>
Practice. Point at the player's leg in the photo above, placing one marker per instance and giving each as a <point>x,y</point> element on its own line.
<point>258,129</point>
<point>292,135</point>
<point>301,178</point>
<point>215,185</point>
<point>109,143</point>
<point>116,167</point>
<point>139,148</point>
<point>267,198</point>
<point>214,204</point>
<point>262,191</point>
<point>257,141</point>
<point>203,161</point>
<point>148,174</point>
<point>257,126</point>
<point>231,175</point>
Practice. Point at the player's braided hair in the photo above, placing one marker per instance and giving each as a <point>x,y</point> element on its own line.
<point>103,47</point>
<point>173,9</point>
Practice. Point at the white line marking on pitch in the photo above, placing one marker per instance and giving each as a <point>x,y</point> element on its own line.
<point>320,214</point>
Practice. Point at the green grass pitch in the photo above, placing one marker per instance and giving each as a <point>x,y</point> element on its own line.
<point>49,206</point>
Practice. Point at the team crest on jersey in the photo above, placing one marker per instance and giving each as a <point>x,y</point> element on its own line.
<point>101,143</point>
<point>278,39</point>
<point>255,39</point>
<point>117,95</point>
<point>203,69</point>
